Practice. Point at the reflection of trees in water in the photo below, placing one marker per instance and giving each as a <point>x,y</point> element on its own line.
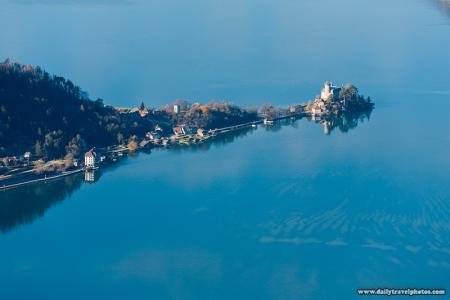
<point>23,205</point>
<point>344,122</point>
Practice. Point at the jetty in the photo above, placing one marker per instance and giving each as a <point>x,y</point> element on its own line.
<point>42,179</point>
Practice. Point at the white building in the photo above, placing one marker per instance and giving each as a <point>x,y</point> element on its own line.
<point>179,130</point>
<point>201,132</point>
<point>176,108</point>
<point>27,155</point>
<point>153,135</point>
<point>330,92</point>
<point>89,159</point>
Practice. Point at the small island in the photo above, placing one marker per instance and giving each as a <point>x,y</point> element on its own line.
<point>49,128</point>
<point>338,107</point>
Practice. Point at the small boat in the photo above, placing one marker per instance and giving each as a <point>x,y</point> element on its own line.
<point>254,125</point>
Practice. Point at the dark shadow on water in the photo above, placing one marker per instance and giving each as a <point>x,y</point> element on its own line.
<point>20,206</point>
<point>24,205</point>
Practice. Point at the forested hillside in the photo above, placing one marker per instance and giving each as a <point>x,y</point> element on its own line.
<point>44,114</point>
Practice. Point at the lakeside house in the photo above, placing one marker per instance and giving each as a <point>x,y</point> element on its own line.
<point>184,130</point>
<point>154,135</point>
<point>9,161</point>
<point>27,155</point>
<point>90,159</point>
<point>179,130</point>
<point>201,132</point>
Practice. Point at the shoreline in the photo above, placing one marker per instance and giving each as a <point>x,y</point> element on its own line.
<point>114,153</point>
<point>174,140</point>
<point>20,184</point>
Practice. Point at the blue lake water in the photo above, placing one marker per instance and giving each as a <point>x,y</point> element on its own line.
<point>279,213</point>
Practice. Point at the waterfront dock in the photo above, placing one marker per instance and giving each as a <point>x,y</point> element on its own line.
<point>42,179</point>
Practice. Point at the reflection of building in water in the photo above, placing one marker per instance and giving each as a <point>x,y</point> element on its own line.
<point>316,117</point>
<point>343,122</point>
<point>326,127</point>
<point>89,175</point>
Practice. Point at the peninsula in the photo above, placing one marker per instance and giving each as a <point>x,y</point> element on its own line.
<point>49,127</point>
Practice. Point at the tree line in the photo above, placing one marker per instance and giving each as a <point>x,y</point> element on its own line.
<point>53,117</point>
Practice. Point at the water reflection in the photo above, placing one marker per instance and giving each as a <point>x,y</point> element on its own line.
<point>344,122</point>
<point>23,205</point>
<point>89,176</point>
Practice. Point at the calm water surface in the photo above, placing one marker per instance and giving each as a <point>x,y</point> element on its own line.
<point>279,213</point>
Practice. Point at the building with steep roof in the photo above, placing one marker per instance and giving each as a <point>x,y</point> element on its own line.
<point>90,159</point>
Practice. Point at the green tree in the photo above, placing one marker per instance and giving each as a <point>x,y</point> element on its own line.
<point>76,147</point>
<point>349,92</point>
<point>120,138</point>
<point>132,144</point>
<point>38,149</point>
<point>53,144</point>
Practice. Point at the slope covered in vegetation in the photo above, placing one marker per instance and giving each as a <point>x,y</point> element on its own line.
<point>48,114</point>
<point>51,117</point>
